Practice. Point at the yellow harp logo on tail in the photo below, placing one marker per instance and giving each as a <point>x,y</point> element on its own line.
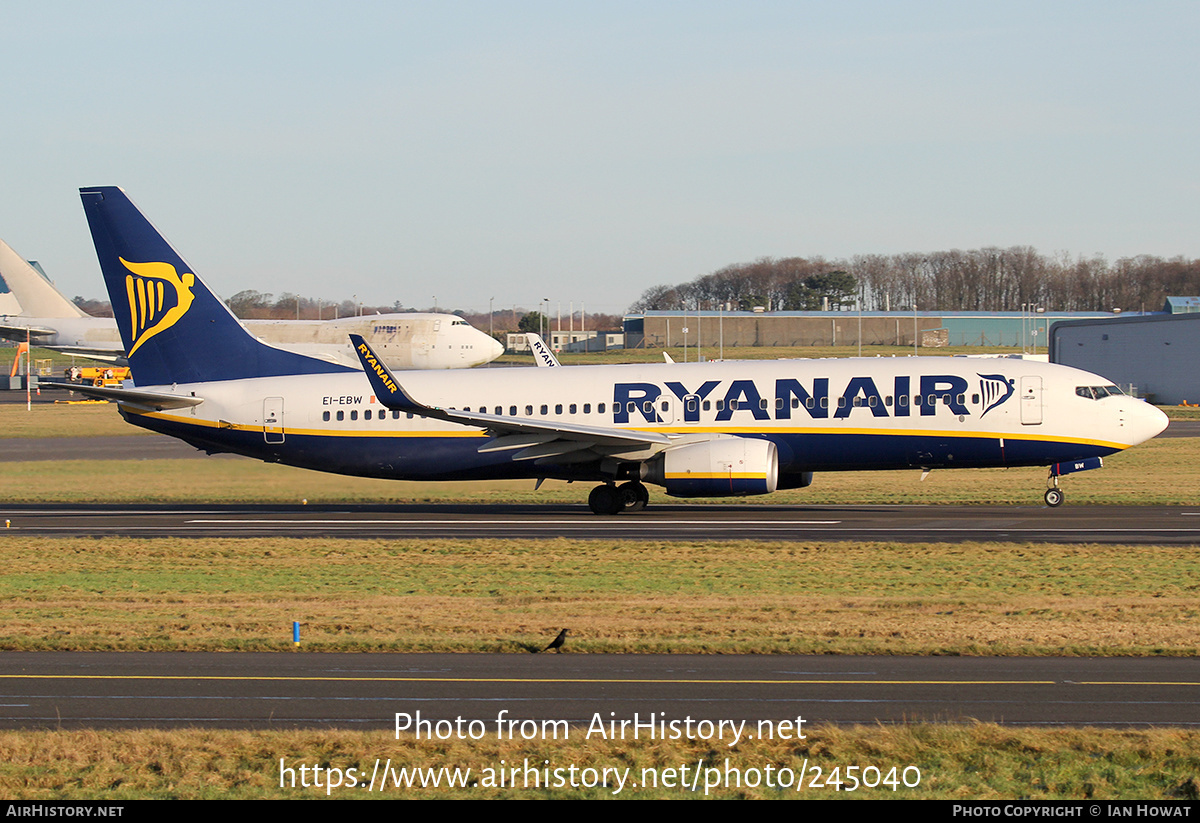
<point>158,297</point>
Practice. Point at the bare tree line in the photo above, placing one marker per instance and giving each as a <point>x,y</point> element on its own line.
<point>989,279</point>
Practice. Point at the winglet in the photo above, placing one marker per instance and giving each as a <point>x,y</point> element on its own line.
<point>541,352</point>
<point>387,390</point>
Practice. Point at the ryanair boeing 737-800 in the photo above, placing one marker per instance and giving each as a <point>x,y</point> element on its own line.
<point>696,429</point>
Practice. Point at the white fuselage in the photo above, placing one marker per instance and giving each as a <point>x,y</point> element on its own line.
<point>404,340</point>
<point>822,415</point>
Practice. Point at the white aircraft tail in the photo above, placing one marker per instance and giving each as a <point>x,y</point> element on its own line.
<point>36,294</point>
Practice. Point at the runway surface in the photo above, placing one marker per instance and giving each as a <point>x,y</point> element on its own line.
<point>1182,428</point>
<point>365,691</point>
<point>1135,525</point>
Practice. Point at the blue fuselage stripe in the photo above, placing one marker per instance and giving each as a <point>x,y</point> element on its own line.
<point>435,457</point>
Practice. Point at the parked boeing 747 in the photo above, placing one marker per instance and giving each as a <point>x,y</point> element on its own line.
<point>696,429</point>
<point>406,340</point>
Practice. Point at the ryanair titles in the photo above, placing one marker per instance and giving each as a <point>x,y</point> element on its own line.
<point>906,396</point>
<point>371,362</point>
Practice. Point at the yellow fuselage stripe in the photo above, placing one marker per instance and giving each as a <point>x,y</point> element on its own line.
<point>684,430</point>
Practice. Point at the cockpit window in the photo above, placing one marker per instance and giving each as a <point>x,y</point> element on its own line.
<point>1098,392</point>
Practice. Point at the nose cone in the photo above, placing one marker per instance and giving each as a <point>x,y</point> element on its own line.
<point>494,350</point>
<point>483,349</point>
<point>1144,421</point>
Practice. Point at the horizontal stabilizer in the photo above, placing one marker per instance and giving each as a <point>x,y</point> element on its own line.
<point>103,355</point>
<point>149,400</point>
<point>19,333</point>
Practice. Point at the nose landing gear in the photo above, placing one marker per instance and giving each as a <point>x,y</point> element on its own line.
<point>1054,496</point>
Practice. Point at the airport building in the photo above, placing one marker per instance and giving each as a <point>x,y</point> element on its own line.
<point>570,341</point>
<point>1151,355</point>
<point>708,329</point>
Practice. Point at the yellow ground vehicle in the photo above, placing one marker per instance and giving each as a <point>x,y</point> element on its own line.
<point>97,375</point>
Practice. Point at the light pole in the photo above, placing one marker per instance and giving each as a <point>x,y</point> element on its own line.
<point>721,330</point>
<point>914,329</point>
<point>1025,334</point>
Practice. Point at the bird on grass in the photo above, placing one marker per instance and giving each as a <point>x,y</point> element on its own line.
<point>557,642</point>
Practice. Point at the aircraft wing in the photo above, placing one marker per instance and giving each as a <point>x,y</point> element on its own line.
<point>114,356</point>
<point>511,432</point>
<point>151,401</point>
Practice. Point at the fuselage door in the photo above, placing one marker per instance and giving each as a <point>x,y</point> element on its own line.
<point>273,419</point>
<point>691,408</point>
<point>1031,401</point>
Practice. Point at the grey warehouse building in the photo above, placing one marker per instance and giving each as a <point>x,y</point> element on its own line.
<point>1154,355</point>
<point>710,329</point>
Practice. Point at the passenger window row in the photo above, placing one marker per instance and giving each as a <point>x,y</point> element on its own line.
<point>647,406</point>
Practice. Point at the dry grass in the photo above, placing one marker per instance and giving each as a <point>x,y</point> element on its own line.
<point>64,420</point>
<point>973,762</point>
<point>511,596</point>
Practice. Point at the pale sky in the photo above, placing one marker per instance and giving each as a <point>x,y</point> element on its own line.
<point>584,151</point>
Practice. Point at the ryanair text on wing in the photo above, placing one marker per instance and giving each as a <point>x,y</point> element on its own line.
<point>373,362</point>
<point>158,296</point>
<point>907,396</point>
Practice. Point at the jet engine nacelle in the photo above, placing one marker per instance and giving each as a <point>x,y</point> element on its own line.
<point>723,467</point>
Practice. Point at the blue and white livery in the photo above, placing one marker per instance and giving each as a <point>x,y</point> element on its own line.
<point>697,429</point>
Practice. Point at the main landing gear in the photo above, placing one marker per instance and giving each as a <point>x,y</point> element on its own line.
<point>612,499</point>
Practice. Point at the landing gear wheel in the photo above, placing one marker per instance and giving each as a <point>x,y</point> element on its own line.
<point>606,500</point>
<point>634,496</point>
<point>1054,498</point>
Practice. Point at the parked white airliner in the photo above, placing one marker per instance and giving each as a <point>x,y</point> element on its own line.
<point>406,340</point>
<point>697,429</point>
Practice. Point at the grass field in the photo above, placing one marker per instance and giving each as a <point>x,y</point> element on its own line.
<point>954,762</point>
<point>732,597</point>
<point>513,595</point>
<point>74,419</point>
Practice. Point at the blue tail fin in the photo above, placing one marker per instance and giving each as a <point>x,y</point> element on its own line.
<point>174,329</point>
